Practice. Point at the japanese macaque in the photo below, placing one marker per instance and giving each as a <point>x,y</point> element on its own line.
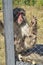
<point>24,34</point>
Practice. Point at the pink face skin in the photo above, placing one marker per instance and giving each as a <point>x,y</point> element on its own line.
<point>20,19</point>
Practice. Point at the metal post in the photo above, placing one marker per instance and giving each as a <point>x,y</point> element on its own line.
<point>8,27</point>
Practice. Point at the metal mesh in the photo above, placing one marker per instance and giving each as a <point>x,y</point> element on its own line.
<point>34,54</point>
<point>24,63</point>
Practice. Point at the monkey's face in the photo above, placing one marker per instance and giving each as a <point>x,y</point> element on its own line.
<point>21,19</point>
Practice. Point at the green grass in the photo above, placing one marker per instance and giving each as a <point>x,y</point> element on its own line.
<point>29,12</point>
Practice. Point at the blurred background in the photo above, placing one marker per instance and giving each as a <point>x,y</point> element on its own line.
<point>32,7</point>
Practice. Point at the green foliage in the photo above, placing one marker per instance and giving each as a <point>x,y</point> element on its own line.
<point>22,2</point>
<point>0,4</point>
<point>28,2</point>
<point>32,2</point>
<point>39,4</point>
<point>36,3</point>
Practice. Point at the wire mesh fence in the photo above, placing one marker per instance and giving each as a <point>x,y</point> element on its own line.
<point>25,63</point>
<point>34,56</point>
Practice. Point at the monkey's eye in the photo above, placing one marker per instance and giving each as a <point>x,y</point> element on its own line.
<point>23,14</point>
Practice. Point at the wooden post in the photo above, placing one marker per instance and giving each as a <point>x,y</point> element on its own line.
<point>8,28</point>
